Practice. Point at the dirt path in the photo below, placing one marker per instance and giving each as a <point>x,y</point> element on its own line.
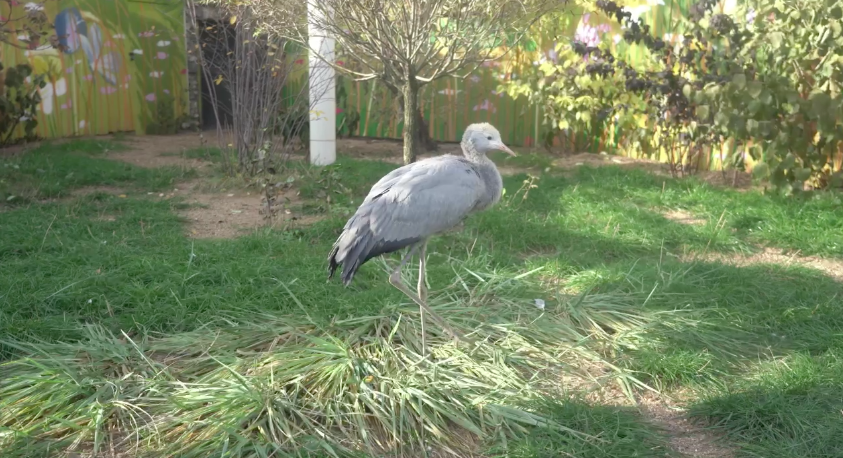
<point>217,210</point>
<point>687,438</point>
<point>765,255</point>
<point>663,411</point>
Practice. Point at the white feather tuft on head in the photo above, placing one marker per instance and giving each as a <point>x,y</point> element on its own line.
<point>479,127</point>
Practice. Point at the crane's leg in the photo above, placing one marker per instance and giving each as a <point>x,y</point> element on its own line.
<point>395,280</point>
<point>422,288</point>
<point>422,295</point>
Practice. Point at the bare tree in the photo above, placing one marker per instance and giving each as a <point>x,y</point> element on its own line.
<point>409,43</point>
<point>27,26</point>
<point>259,107</point>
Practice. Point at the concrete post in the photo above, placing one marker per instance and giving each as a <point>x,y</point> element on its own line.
<point>323,115</point>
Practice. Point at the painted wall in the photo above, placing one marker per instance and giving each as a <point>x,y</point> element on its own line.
<point>122,68</point>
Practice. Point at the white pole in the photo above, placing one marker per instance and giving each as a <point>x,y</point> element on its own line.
<point>323,115</point>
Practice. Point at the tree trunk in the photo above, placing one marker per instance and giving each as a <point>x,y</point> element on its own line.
<point>423,134</point>
<point>423,139</point>
<point>411,101</point>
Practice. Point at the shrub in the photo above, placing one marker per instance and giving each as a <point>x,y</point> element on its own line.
<point>19,101</point>
<point>766,78</point>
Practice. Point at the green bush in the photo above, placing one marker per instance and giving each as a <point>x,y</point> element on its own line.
<point>788,92</point>
<point>766,78</point>
<point>19,101</point>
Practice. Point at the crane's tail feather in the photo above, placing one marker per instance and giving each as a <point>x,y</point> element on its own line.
<point>352,254</point>
<point>332,261</point>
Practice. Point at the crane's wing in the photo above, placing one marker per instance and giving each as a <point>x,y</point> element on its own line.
<point>406,206</point>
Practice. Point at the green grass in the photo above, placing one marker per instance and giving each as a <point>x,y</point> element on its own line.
<point>224,319</point>
<point>208,153</point>
<point>205,153</point>
<point>53,171</point>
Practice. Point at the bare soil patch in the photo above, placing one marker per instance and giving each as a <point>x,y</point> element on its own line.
<point>229,214</point>
<point>154,151</point>
<point>731,179</point>
<point>224,214</point>
<point>220,215</point>
<point>831,267</point>
<point>17,150</point>
<point>385,150</point>
<point>88,190</point>
<point>597,160</point>
<point>687,438</point>
<point>684,217</point>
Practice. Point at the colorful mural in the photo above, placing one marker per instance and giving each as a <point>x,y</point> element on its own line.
<point>112,66</point>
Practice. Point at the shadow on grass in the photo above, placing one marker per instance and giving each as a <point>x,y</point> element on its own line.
<point>790,409</point>
<point>767,308</point>
<point>616,431</point>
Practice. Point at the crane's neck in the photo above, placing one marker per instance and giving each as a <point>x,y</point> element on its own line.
<point>488,173</point>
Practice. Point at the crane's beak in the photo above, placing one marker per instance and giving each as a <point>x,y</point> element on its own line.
<point>500,146</point>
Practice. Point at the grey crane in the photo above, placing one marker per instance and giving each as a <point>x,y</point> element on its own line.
<point>414,202</point>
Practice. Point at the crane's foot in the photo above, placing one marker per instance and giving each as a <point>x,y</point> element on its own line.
<point>395,279</point>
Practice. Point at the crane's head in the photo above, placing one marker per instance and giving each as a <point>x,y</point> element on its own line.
<point>483,137</point>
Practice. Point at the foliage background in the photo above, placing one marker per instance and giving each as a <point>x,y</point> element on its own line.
<point>453,103</point>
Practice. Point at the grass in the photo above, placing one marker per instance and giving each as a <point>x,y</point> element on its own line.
<point>123,329</point>
<point>54,170</point>
<point>210,154</point>
<point>788,407</point>
<point>306,377</point>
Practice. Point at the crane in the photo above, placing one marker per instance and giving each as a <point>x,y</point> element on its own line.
<point>417,201</point>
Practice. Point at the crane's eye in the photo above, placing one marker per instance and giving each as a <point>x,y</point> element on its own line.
<point>489,137</point>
